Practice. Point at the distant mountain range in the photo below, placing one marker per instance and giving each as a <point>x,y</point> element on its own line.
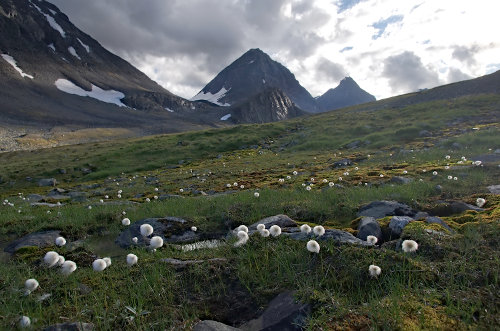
<point>54,75</point>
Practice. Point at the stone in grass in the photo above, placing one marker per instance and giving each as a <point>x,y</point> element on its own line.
<point>380,209</point>
<point>401,180</point>
<point>437,220</point>
<point>170,229</point>
<point>283,221</point>
<point>47,182</point>
<point>283,313</point>
<point>494,189</point>
<point>338,236</point>
<point>70,326</point>
<point>368,226</point>
<point>210,325</point>
<point>398,223</point>
<point>37,239</point>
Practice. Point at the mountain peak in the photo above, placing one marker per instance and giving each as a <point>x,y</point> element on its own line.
<point>250,74</point>
<point>347,93</point>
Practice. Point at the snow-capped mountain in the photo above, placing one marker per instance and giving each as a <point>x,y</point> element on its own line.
<point>251,74</point>
<point>53,73</point>
<point>347,93</point>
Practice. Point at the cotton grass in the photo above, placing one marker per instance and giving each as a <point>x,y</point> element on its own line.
<point>305,228</point>
<point>242,238</point>
<point>374,270</point>
<point>24,322</point>
<point>480,202</point>
<point>126,221</point>
<point>30,285</point>
<point>60,241</point>
<point>131,259</point>
<point>319,230</point>
<point>313,246</point>
<point>156,242</point>
<point>146,230</point>
<point>409,246</point>
<point>68,267</point>
<point>99,265</point>
<point>371,239</point>
<point>50,259</point>
<point>275,230</point>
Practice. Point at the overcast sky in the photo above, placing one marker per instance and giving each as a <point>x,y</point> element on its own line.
<point>388,47</point>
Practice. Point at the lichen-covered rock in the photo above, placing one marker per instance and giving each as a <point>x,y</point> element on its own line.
<point>380,209</point>
<point>37,239</point>
<point>368,226</point>
<point>398,223</point>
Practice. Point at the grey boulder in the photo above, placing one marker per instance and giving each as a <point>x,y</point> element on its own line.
<point>368,226</point>
<point>380,209</point>
<point>398,223</point>
<point>210,325</point>
<point>37,239</point>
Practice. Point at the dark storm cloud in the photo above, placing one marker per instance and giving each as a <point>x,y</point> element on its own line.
<point>329,71</point>
<point>407,73</point>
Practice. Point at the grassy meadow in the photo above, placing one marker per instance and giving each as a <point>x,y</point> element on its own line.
<point>209,179</point>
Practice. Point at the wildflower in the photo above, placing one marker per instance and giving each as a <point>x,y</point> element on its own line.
<point>148,200</point>
<point>107,260</point>
<point>60,241</point>
<point>477,163</point>
<point>480,202</point>
<point>450,177</point>
<point>119,196</point>
<point>50,259</point>
<point>313,246</point>
<point>89,207</point>
<point>155,197</point>
<point>340,179</point>
<point>134,240</point>
<point>235,184</point>
<point>288,177</point>
<point>30,285</point>
<point>331,184</point>
<point>256,194</point>
<point>131,259</point>
<point>305,228</point>
<point>381,175</point>
<point>241,228</point>
<point>405,172</point>
<point>24,322</point>
<point>325,180</point>
<point>120,191</point>
<point>319,230</point>
<point>60,261</point>
<point>181,190</point>
<point>156,189</point>
<point>242,187</point>
<point>194,228</point>
<point>308,187</point>
<point>356,168</point>
<point>228,185</point>
<point>295,173</point>
<point>409,246</point>
<point>146,230</point>
<point>424,170</point>
<point>242,238</point>
<point>261,227</point>
<point>447,167</point>
<point>106,197</point>
<point>99,265</point>
<point>156,242</point>
<point>275,230</point>
<point>126,221</point>
<point>281,180</point>
<point>374,270</point>
<point>264,233</point>
<point>455,178</point>
<point>312,179</point>
<point>463,158</point>
<point>434,173</point>
<point>372,239</point>
<point>101,201</point>
<point>447,157</point>
<point>68,267</point>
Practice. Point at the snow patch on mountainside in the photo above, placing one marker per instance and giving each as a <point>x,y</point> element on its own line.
<point>225,117</point>
<point>51,20</point>
<point>109,96</point>
<point>214,98</point>
<point>52,47</point>
<point>87,48</point>
<point>13,63</point>
<point>72,51</point>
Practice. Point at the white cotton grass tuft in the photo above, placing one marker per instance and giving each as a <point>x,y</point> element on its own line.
<point>68,267</point>
<point>275,230</point>
<point>135,240</point>
<point>126,221</point>
<point>242,227</point>
<point>131,259</point>
<point>374,270</point>
<point>107,260</point>
<point>409,246</point>
<point>50,259</point>
<point>242,239</point>
<point>30,285</point>
<point>146,230</point>
<point>156,242</point>
<point>256,194</point>
<point>480,202</point>
<point>261,227</point>
<point>305,228</point>
<point>194,228</point>
<point>313,246</point>
<point>60,241</point>
<point>99,265</point>
<point>24,322</point>
<point>371,239</point>
<point>265,233</point>
<point>319,230</point>
<point>60,261</point>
